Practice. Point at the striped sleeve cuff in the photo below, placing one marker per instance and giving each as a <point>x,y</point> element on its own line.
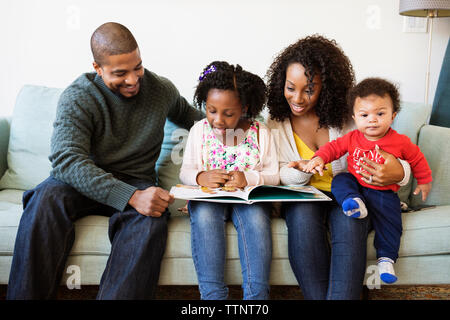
<point>406,170</point>
<point>119,195</point>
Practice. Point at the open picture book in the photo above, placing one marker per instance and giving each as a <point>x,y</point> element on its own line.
<point>250,194</point>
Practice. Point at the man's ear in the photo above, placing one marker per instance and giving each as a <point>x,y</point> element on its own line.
<point>97,68</point>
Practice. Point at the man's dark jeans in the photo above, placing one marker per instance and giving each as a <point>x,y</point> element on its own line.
<point>46,235</point>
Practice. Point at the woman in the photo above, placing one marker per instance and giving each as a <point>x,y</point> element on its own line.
<point>307,87</point>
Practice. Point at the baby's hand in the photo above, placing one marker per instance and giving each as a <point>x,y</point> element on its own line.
<point>299,165</point>
<point>425,188</point>
<point>315,165</point>
<point>310,166</point>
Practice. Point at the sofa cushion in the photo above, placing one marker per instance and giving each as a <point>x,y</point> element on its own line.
<point>425,232</point>
<point>29,141</point>
<point>434,142</point>
<point>432,225</point>
<point>409,120</point>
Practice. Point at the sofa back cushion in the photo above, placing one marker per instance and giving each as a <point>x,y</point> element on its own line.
<point>409,121</point>
<point>170,159</point>
<point>29,139</point>
<point>434,142</point>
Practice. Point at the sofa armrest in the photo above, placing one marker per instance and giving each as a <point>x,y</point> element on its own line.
<point>4,140</point>
<point>434,142</point>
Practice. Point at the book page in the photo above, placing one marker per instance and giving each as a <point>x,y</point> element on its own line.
<point>186,192</point>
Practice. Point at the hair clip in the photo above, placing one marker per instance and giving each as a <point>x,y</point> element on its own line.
<point>211,69</point>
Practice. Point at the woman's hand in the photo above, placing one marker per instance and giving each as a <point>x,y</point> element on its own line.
<point>237,179</point>
<point>213,178</point>
<point>382,174</point>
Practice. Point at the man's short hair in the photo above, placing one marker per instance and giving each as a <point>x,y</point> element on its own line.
<point>109,39</point>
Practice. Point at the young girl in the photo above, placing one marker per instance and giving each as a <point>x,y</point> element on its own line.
<point>230,149</point>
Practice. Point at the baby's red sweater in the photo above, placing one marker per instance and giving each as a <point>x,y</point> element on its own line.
<point>358,146</point>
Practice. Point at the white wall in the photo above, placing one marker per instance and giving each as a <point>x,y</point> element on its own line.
<point>46,42</point>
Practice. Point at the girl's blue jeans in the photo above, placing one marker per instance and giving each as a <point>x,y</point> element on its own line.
<point>327,249</point>
<point>208,240</point>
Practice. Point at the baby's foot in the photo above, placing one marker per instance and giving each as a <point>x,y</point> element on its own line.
<point>355,208</point>
<point>386,270</point>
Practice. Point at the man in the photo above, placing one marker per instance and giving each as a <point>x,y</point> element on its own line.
<point>107,138</point>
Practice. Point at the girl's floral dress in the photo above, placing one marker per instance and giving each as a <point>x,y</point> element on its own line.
<point>242,157</point>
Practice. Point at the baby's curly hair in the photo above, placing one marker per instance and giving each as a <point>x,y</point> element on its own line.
<point>250,88</point>
<point>318,55</point>
<point>377,86</point>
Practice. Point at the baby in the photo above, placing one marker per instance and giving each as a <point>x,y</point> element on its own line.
<point>375,104</point>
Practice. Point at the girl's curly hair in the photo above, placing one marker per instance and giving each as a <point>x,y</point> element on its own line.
<point>318,55</point>
<point>250,88</point>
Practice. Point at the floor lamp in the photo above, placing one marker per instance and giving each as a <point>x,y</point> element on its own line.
<point>430,9</point>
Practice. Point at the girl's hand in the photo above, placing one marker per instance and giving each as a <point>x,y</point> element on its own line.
<point>237,179</point>
<point>425,188</point>
<point>213,178</point>
<point>382,174</point>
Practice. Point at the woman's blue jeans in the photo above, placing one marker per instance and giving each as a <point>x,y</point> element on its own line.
<point>323,272</point>
<point>208,240</point>
<point>46,235</point>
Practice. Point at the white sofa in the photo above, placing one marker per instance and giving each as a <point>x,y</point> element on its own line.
<point>25,145</point>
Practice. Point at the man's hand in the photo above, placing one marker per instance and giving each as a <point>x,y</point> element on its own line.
<point>152,201</point>
<point>213,178</point>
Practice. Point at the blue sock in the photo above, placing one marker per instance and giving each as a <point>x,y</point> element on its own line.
<point>386,270</point>
<point>354,207</point>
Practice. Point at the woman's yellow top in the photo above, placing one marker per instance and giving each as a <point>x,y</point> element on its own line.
<point>320,182</point>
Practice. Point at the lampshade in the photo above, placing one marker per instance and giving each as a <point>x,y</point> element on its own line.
<point>422,8</point>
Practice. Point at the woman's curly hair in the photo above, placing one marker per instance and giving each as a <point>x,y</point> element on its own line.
<point>250,88</point>
<point>317,55</point>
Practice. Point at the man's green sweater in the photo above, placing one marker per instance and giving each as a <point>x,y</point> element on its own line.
<point>99,134</point>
